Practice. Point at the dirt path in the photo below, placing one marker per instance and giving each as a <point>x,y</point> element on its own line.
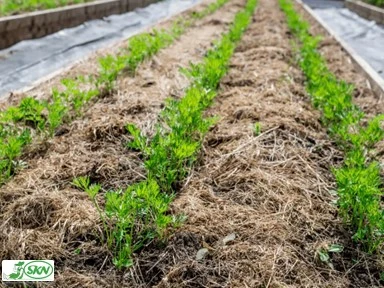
<point>273,191</point>
<point>43,217</point>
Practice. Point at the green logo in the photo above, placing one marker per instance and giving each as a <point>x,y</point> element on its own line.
<point>35,270</point>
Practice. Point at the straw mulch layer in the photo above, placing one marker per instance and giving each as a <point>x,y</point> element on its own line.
<point>42,216</point>
<point>262,205</point>
<point>259,206</point>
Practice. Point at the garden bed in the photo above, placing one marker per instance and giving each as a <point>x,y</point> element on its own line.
<point>259,200</point>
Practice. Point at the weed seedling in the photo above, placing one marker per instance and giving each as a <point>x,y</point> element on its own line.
<point>257,129</point>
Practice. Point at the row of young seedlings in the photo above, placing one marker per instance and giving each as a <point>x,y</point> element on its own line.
<point>358,180</point>
<point>135,216</point>
<point>34,118</point>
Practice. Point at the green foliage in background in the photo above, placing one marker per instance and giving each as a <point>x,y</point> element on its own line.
<point>379,3</point>
<point>9,7</point>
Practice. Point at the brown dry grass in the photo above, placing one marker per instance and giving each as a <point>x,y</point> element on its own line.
<point>272,190</point>
<point>43,217</point>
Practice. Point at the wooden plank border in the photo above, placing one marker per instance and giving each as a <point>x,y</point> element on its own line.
<point>33,25</point>
<point>366,10</point>
<point>374,79</point>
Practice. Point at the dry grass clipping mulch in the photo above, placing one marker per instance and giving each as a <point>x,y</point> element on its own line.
<point>261,205</point>
<point>272,191</point>
<point>42,216</point>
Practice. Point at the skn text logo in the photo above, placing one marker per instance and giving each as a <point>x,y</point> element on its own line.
<point>28,270</point>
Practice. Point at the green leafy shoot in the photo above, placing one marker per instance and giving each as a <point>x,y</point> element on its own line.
<point>257,129</point>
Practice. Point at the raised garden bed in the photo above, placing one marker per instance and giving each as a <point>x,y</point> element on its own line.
<point>222,161</point>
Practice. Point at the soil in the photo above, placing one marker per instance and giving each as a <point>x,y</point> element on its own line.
<point>260,204</point>
<point>273,191</point>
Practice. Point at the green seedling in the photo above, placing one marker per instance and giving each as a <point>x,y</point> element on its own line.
<point>12,114</point>
<point>56,113</point>
<point>84,183</point>
<point>28,112</point>
<point>140,215</point>
<point>31,111</point>
<point>110,67</point>
<point>76,97</point>
<point>10,149</point>
<point>210,9</point>
<point>131,218</point>
<point>257,129</point>
<point>139,141</point>
<point>144,46</point>
<point>359,192</point>
<point>324,253</point>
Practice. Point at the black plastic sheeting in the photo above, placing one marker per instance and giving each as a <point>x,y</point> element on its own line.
<point>28,61</point>
<point>362,35</point>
